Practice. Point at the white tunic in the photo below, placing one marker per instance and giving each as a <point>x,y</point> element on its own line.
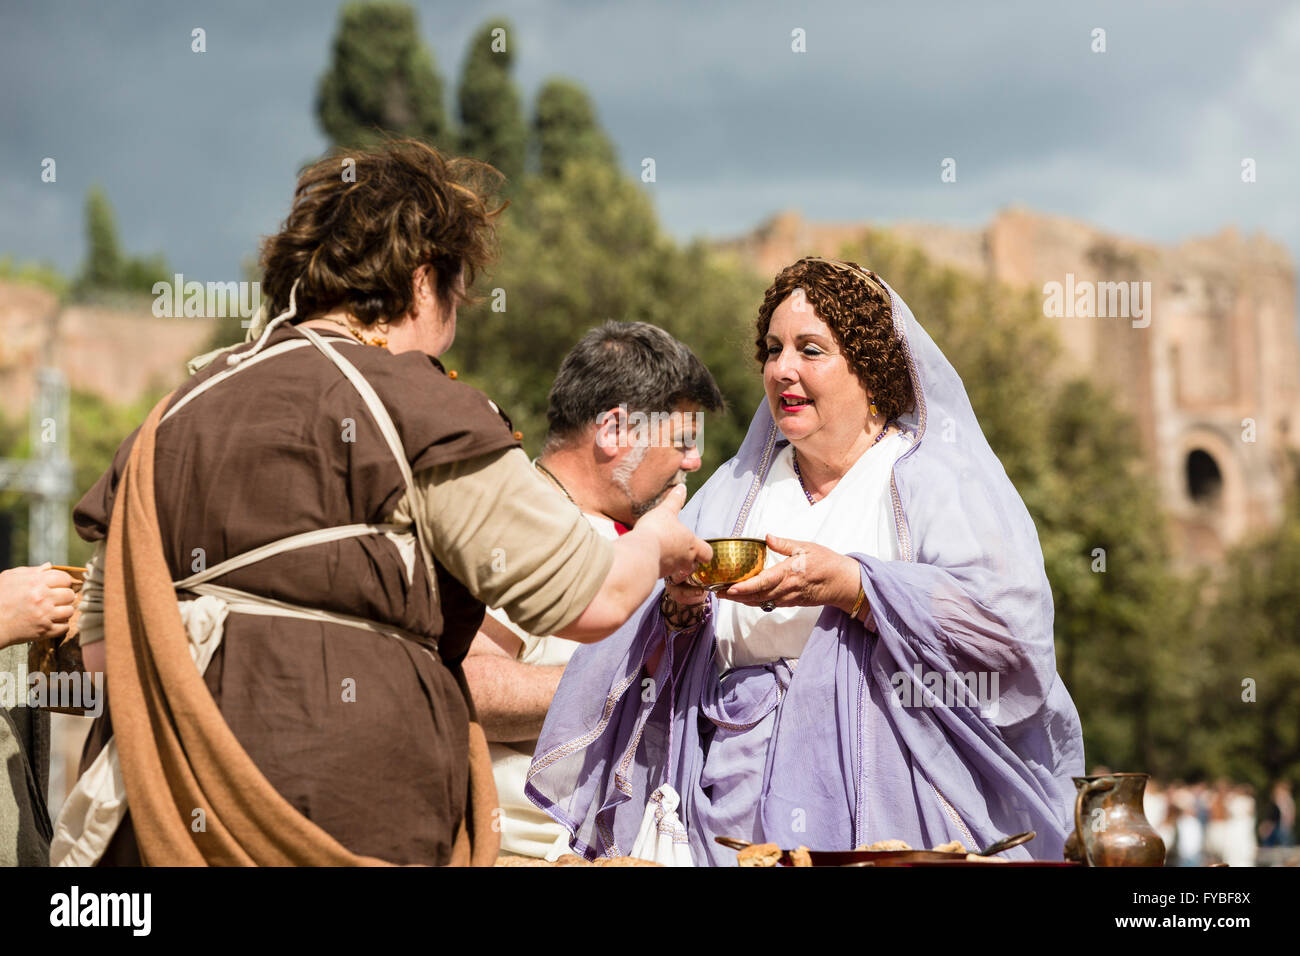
<point>857,517</point>
<point>526,830</point>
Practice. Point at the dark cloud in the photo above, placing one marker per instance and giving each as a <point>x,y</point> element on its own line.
<point>198,151</point>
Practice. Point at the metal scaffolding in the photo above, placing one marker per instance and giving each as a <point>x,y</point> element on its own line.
<point>45,477</point>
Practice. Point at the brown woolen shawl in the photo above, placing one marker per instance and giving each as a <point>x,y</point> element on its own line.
<point>176,751</point>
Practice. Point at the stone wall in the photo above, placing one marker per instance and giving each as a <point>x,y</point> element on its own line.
<point>118,354</point>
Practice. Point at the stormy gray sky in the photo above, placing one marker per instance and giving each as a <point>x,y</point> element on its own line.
<point>198,151</point>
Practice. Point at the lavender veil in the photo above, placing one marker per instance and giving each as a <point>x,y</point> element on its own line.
<point>949,723</point>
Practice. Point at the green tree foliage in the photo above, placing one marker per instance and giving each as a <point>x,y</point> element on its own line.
<point>1246,720</point>
<point>43,274</point>
<point>381,80</point>
<point>141,272</point>
<point>492,124</point>
<point>104,257</point>
<point>587,247</point>
<point>107,268</point>
<point>565,128</point>
<point>1122,618</point>
<point>97,427</point>
<point>15,443</point>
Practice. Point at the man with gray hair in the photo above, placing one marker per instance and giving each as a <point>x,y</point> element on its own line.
<point>624,419</point>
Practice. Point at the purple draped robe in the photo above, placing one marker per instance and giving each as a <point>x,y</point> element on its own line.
<point>948,723</point>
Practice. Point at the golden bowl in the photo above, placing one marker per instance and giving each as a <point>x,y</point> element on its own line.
<point>78,574</point>
<point>734,560</point>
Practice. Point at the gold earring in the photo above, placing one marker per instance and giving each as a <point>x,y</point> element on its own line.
<point>874,411</point>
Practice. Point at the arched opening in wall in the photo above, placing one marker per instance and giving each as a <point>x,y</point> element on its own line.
<point>1204,480</point>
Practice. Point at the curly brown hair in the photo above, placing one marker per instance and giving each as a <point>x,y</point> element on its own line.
<point>859,316</point>
<point>362,222</point>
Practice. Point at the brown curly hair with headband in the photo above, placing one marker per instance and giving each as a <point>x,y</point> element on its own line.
<point>363,221</point>
<point>861,320</point>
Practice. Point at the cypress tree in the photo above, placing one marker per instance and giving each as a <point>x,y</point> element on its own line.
<point>491,117</point>
<point>381,79</point>
<point>565,127</point>
<point>105,262</point>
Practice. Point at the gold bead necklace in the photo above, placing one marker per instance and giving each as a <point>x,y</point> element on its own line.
<point>378,341</point>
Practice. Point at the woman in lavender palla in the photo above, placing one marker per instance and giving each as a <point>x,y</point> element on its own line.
<point>890,674</point>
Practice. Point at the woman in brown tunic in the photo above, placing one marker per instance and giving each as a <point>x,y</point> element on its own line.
<point>334,511</point>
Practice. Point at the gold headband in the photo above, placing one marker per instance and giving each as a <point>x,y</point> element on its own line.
<point>856,270</point>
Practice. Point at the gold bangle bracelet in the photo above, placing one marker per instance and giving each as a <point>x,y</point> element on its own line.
<point>857,605</point>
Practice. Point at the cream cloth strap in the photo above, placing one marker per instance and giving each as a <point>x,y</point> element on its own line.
<point>373,404</point>
<point>242,602</point>
<point>293,542</point>
<point>92,607</point>
<point>368,394</point>
<point>198,390</point>
<point>386,427</point>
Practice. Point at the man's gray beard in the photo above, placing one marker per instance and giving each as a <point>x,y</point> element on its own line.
<point>623,473</point>
<point>622,478</point>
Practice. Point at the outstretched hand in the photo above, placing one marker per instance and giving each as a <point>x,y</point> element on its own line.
<point>680,549</point>
<point>811,576</point>
<point>35,603</point>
